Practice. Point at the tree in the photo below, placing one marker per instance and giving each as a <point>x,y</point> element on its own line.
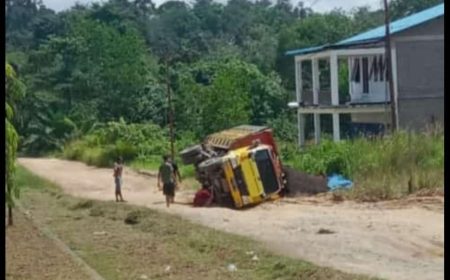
<point>28,22</point>
<point>175,34</point>
<point>210,14</point>
<point>213,95</point>
<point>315,30</point>
<point>364,19</point>
<point>403,8</point>
<point>14,89</point>
<point>301,11</point>
<point>93,73</point>
<point>260,48</point>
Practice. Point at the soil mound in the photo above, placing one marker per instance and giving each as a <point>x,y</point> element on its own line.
<point>300,183</point>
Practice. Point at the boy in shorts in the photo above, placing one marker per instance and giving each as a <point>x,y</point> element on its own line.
<point>118,169</point>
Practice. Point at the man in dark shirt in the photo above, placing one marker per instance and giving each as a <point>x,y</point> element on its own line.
<point>166,175</point>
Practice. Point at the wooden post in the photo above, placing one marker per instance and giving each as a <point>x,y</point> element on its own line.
<point>169,99</point>
<point>389,69</point>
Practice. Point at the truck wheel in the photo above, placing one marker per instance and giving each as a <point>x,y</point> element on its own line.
<point>223,199</point>
<point>210,165</point>
<point>190,155</point>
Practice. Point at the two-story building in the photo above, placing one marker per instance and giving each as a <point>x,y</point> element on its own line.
<point>417,51</point>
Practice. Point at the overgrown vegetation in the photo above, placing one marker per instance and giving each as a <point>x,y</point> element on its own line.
<point>140,145</point>
<point>106,142</point>
<point>135,241</point>
<point>14,91</point>
<point>382,168</point>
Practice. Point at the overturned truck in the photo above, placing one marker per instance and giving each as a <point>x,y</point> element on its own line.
<point>240,166</point>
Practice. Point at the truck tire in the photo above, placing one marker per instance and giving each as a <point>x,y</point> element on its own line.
<point>223,199</point>
<point>190,155</point>
<point>210,165</point>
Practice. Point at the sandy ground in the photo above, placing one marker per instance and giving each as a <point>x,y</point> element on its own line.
<point>390,240</point>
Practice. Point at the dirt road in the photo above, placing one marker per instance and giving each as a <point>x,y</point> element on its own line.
<point>399,243</point>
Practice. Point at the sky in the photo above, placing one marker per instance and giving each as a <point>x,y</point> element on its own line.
<point>317,5</point>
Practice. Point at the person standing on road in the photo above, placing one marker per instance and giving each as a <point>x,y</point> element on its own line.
<point>166,175</point>
<point>118,170</point>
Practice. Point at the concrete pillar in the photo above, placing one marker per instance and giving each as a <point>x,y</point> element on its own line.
<point>350,88</point>
<point>298,80</point>
<point>395,80</point>
<point>299,96</point>
<point>336,127</point>
<point>334,71</point>
<point>316,90</point>
<point>315,80</point>
<point>317,128</point>
<point>301,129</point>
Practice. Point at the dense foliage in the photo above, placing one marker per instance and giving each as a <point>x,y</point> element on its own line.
<point>108,141</point>
<point>14,91</point>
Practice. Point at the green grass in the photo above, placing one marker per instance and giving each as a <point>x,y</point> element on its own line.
<point>155,241</point>
<point>385,168</point>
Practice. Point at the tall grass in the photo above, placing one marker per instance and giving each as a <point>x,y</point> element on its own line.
<point>382,168</point>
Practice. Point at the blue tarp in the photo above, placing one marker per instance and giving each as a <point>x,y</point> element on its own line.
<point>337,181</point>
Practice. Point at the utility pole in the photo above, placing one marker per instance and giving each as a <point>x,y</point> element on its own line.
<point>169,99</point>
<point>389,68</point>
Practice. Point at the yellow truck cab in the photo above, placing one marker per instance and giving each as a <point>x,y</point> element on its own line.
<point>241,176</point>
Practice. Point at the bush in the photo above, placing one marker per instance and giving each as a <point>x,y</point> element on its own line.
<point>142,144</point>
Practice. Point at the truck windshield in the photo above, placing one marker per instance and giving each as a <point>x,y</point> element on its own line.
<point>242,186</point>
<point>266,171</point>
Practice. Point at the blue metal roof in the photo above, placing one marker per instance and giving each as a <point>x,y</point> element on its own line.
<point>306,50</point>
<point>379,32</point>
